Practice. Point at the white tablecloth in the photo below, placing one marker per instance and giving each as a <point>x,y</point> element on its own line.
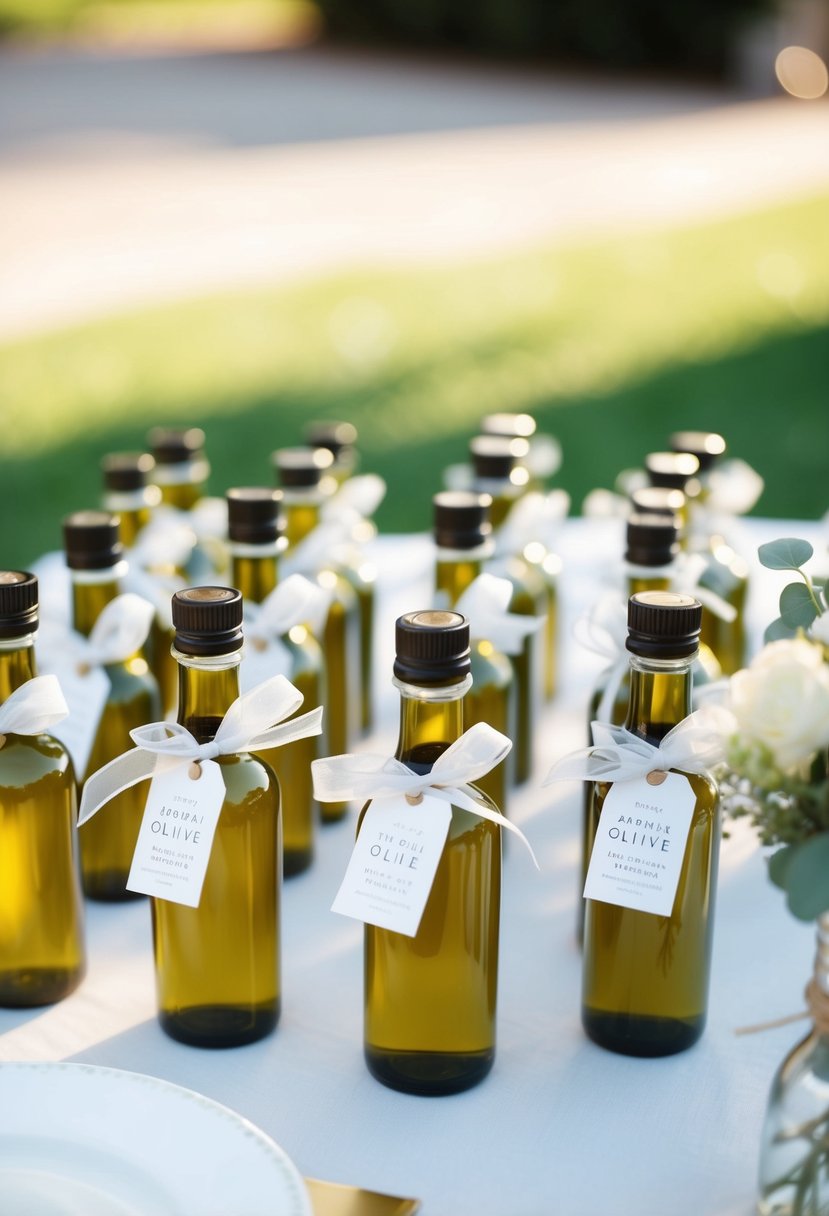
<point>560,1126</point>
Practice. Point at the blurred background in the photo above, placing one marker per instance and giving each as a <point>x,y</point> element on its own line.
<point>247,214</point>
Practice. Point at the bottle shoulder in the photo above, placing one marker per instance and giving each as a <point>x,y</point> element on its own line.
<point>28,758</point>
<point>248,777</point>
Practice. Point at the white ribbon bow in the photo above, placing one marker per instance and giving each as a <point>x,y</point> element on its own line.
<point>733,488</point>
<point>484,604</point>
<point>688,570</point>
<point>358,497</point>
<point>120,630</point>
<point>695,745</point>
<point>254,722</point>
<point>315,551</point>
<point>295,601</point>
<point>473,755</point>
<point>603,630</point>
<point>33,708</point>
<point>534,517</point>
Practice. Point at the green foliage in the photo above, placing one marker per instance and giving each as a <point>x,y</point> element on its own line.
<point>797,606</point>
<point>804,876</point>
<point>788,553</point>
<point>777,631</point>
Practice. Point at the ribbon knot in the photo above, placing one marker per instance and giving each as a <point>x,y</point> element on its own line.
<point>33,708</point>
<point>485,604</point>
<point>120,630</point>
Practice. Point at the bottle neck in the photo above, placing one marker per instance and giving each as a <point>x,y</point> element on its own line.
<point>453,576</point>
<point>92,590</point>
<point>302,514</point>
<point>660,695</point>
<point>17,664</point>
<point>430,720</point>
<point>254,574</point>
<point>207,687</point>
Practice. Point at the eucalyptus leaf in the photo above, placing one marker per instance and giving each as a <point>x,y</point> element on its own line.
<point>807,878</point>
<point>776,630</point>
<point>788,553</point>
<point>780,864</point>
<point>797,608</point>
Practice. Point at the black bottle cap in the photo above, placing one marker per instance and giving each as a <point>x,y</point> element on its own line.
<point>432,647</point>
<point>127,471</point>
<point>301,467</point>
<point>672,470</point>
<point>92,540</point>
<point>511,426</point>
<point>335,436</point>
<point>461,519</point>
<point>657,500</point>
<point>207,620</point>
<point>18,603</point>
<point>253,515</point>
<point>176,445</point>
<point>707,446</point>
<point>663,624</point>
<point>495,456</point>
<point>651,540</point>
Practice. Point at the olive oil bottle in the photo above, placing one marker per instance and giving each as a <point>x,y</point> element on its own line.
<point>42,955</point>
<point>253,533</point>
<point>726,572</point>
<point>94,555</point>
<point>301,474</point>
<point>181,467</point>
<point>218,965</point>
<point>675,471</point>
<point>645,976</point>
<point>499,473</point>
<point>430,999</point>
<point>463,542</point>
<point>339,438</point>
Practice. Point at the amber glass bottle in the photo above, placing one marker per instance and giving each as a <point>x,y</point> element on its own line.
<point>301,472</point>
<point>645,977</point>
<point>253,534</point>
<point>181,468</point>
<point>42,956</point>
<point>463,542</point>
<point>94,555</point>
<point>499,473</point>
<point>218,965</point>
<point>430,999</point>
<point>726,572</point>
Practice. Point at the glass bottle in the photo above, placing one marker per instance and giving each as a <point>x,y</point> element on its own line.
<point>300,472</point>
<point>462,541</point>
<point>645,977</point>
<point>339,438</point>
<point>181,467</point>
<point>42,955</point>
<point>94,555</point>
<point>794,1153</point>
<point>675,471</point>
<point>129,494</point>
<point>430,999</point>
<point>218,965</point>
<point>725,571</point>
<point>253,533</point>
<point>498,472</point>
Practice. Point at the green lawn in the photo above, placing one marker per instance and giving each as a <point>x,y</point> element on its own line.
<point>610,345</point>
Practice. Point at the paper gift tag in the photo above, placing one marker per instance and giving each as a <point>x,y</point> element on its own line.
<point>86,690</point>
<point>176,833</point>
<point>263,658</point>
<point>393,866</point>
<point>640,843</point>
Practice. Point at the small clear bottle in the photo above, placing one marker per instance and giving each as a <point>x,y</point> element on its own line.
<point>462,535</point>
<point>499,473</point>
<point>94,555</point>
<point>726,572</point>
<point>218,965</point>
<point>253,528</point>
<point>430,1000</point>
<point>645,976</point>
<point>181,467</point>
<point>301,472</point>
<point>42,953</point>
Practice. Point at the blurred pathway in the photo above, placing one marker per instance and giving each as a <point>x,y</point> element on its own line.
<point>127,180</point>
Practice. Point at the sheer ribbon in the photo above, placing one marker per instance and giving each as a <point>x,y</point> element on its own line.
<point>33,708</point>
<point>485,603</point>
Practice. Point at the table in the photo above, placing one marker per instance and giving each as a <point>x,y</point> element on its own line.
<point>560,1126</point>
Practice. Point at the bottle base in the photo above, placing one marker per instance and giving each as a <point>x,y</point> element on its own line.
<point>429,1073</point>
<point>109,886</point>
<point>296,861</point>
<point>33,986</point>
<point>640,1035</point>
<point>219,1025</point>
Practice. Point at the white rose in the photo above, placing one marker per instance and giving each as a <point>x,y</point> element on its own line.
<point>820,628</point>
<point>782,701</point>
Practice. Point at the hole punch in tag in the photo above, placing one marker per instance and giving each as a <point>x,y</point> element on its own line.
<point>656,777</point>
<point>412,799</point>
<point>194,771</point>
<point>83,668</point>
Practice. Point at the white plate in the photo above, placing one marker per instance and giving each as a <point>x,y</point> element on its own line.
<point>76,1140</point>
